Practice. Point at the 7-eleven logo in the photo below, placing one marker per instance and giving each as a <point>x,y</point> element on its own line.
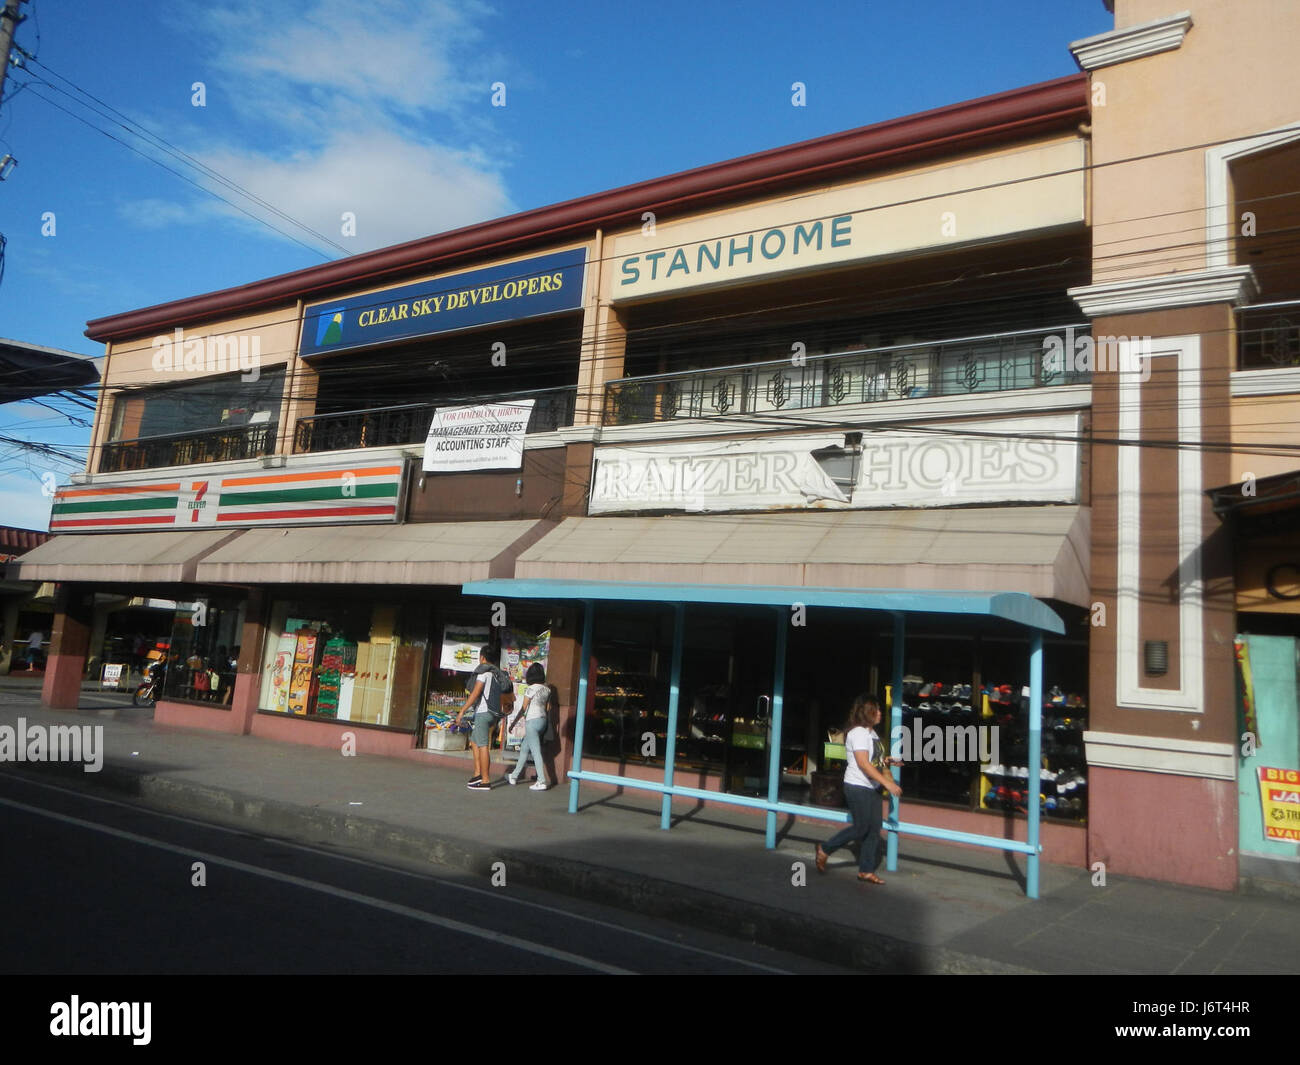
<point>195,506</point>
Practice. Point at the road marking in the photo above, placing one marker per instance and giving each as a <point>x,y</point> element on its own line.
<point>450,884</point>
<point>326,889</point>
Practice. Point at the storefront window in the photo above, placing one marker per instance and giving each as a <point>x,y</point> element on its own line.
<point>965,735</point>
<point>345,660</point>
<point>213,403</point>
<point>453,678</point>
<point>203,652</point>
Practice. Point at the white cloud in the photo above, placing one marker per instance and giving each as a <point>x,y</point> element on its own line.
<point>381,109</point>
<point>152,213</point>
<point>395,189</point>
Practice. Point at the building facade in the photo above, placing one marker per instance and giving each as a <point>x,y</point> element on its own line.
<point>968,408</point>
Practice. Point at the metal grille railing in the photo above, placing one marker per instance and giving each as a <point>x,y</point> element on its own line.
<point>553,408</point>
<point>1268,336</point>
<point>183,449</point>
<point>911,371</point>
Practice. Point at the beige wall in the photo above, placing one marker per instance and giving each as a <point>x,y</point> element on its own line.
<point>1234,75</point>
<point>1023,189</point>
<point>269,340</point>
<point>1259,421</point>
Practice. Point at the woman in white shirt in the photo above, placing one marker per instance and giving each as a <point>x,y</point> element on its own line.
<point>863,779</point>
<point>536,697</point>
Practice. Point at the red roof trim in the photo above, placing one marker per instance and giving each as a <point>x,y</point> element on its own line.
<point>972,124</point>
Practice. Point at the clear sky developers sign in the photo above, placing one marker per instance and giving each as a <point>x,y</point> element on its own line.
<point>506,293</point>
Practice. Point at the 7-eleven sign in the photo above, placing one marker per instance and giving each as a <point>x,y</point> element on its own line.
<point>195,506</point>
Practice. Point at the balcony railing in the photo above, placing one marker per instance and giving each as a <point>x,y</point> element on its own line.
<point>993,363</point>
<point>1268,336</point>
<point>409,424</point>
<point>228,444</point>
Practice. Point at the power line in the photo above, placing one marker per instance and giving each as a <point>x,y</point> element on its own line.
<point>136,129</point>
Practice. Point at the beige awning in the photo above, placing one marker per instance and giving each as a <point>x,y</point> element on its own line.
<point>1041,551</point>
<point>427,553</point>
<point>168,557</point>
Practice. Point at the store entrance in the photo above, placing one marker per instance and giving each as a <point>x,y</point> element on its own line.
<point>726,696</point>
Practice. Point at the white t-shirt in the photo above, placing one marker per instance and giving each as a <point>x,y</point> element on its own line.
<point>860,739</point>
<point>537,696</point>
<point>488,678</point>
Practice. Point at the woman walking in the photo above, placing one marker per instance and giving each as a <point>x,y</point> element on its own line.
<point>863,778</point>
<point>536,697</point>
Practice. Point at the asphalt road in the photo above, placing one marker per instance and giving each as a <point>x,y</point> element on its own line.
<point>99,887</point>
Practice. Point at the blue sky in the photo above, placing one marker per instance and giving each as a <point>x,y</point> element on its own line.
<point>385,109</point>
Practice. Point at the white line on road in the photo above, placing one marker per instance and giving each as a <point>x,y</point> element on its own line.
<point>449,884</point>
<point>351,896</point>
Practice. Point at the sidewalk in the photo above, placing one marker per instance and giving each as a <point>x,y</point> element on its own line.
<point>947,908</point>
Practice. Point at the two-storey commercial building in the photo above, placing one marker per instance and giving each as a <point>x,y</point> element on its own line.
<point>937,408</point>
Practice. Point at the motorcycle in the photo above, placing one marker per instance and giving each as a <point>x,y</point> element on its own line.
<point>147,693</point>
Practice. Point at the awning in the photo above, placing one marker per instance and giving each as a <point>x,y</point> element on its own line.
<point>1041,552</point>
<point>426,553</point>
<point>1010,606</point>
<point>160,557</point>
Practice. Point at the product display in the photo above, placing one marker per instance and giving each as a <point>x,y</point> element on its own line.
<point>968,745</point>
<point>624,712</point>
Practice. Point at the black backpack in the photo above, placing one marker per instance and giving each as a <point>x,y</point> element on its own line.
<point>503,685</point>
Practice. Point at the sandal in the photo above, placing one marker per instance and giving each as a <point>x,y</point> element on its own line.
<point>870,878</point>
<point>821,859</point>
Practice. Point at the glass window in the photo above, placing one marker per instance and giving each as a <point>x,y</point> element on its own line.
<point>345,661</point>
<point>212,403</point>
<point>204,649</point>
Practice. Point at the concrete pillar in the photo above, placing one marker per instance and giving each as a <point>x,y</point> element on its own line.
<point>562,672</point>
<point>65,665</point>
<point>9,630</point>
<point>248,670</point>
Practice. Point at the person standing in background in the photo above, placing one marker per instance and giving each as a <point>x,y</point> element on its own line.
<point>536,697</point>
<point>34,642</point>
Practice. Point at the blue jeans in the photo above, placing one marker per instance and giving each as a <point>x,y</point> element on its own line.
<point>865,807</point>
<point>532,743</point>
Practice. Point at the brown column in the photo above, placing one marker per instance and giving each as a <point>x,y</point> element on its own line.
<point>66,664</point>
<point>604,343</point>
<point>563,667</point>
<point>248,675</point>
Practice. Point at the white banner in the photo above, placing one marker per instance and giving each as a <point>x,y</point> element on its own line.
<point>731,475</point>
<point>1008,460</point>
<point>460,646</point>
<point>485,437</point>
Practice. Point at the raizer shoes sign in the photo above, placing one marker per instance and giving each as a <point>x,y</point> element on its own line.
<point>1013,460</point>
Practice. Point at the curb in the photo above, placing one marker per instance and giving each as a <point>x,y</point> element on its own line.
<point>753,922</point>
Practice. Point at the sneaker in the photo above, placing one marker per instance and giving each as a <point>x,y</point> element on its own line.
<point>510,778</point>
<point>474,780</point>
<point>481,785</point>
<point>539,786</point>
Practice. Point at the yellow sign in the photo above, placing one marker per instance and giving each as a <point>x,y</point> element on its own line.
<point>1279,793</point>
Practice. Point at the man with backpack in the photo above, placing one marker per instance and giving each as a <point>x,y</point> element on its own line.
<point>492,696</point>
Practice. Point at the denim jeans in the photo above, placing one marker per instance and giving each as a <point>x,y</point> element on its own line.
<point>865,807</point>
<point>532,743</point>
